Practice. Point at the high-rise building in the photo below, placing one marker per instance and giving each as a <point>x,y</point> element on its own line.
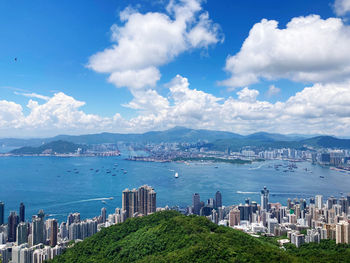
<point>151,201</point>
<point>196,203</point>
<point>21,212</point>
<point>265,198</point>
<point>22,233</point>
<point>234,217</point>
<point>142,201</point>
<point>37,231</point>
<point>2,213</point>
<point>218,199</point>
<point>319,201</point>
<point>342,233</point>
<point>343,202</point>
<point>13,221</point>
<point>103,214</point>
<point>129,202</point>
<point>53,232</point>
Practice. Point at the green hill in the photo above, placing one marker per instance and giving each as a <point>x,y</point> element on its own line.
<point>59,147</point>
<point>171,237</point>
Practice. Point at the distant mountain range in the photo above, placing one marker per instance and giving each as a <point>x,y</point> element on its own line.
<point>218,140</point>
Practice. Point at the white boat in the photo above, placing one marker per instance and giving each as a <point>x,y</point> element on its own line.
<point>176,175</point>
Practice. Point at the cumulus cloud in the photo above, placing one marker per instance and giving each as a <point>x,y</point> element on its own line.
<point>319,108</point>
<point>273,90</point>
<point>143,42</point>
<point>341,7</point>
<point>309,49</point>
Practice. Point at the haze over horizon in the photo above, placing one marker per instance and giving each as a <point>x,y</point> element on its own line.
<point>91,67</point>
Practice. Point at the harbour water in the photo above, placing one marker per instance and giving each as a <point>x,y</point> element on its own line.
<point>63,185</point>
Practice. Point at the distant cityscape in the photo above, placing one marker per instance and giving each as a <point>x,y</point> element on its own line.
<point>299,221</point>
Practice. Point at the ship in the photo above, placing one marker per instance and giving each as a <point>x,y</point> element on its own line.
<point>176,175</point>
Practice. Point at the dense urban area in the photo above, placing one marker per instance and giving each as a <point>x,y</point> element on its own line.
<point>300,221</point>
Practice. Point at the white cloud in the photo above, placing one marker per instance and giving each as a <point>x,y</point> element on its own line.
<point>341,7</point>
<point>247,94</point>
<point>146,41</point>
<point>32,95</point>
<point>135,79</point>
<point>309,49</point>
<point>320,108</point>
<point>273,90</point>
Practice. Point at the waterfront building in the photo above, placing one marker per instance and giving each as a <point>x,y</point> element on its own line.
<point>13,221</point>
<point>22,233</point>
<point>129,202</point>
<point>103,214</point>
<point>319,201</point>
<point>53,232</point>
<point>234,217</point>
<point>21,212</point>
<point>2,213</point>
<point>196,203</point>
<point>142,201</point>
<point>37,231</point>
<point>218,199</point>
<point>264,198</point>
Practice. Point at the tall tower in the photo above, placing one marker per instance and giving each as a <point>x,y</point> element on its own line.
<point>53,232</point>
<point>142,199</point>
<point>21,212</point>
<point>152,201</point>
<point>103,214</point>
<point>37,230</point>
<point>13,221</point>
<point>319,201</point>
<point>265,198</point>
<point>218,199</point>
<point>22,233</point>
<point>129,202</point>
<point>2,213</point>
<point>196,203</point>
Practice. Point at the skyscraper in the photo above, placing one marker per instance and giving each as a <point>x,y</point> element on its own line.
<point>13,221</point>
<point>196,203</point>
<point>319,201</point>
<point>2,213</point>
<point>53,232</point>
<point>22,233</point>
<point>103,214</point>
<point>218,199</point>
<point>21,212</point>
<point>129,202</point>
<point>37,230</point>
<point>234,217</point>
<point>143,200</point>
<point>151,201</point>
<point>264,198</point>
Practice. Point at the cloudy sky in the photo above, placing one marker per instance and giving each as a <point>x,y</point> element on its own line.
<point>133,66</point>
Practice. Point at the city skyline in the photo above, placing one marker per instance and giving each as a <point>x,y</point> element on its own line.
<point>244,67</point>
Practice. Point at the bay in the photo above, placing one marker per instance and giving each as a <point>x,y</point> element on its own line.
<point>61,185</point>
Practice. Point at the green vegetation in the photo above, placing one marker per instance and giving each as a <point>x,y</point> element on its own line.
<point>59,147</point>
<point>325,252</point>
<point>212,159</point>
<point>171,237</point>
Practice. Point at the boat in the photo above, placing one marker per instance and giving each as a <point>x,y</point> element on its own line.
<point>103,201</point>
<point>125,172</point>
<point>216,167</point>
<point>176,175</point>
<point>113,174</point>
<point>97,170</point>
<point>321,176</point>
<point>111,198</point>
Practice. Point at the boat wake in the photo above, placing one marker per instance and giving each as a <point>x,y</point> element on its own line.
<point>246,193</point>
<point>256,168</point>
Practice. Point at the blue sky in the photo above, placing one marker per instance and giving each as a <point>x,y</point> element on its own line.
<point>54,42</point>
